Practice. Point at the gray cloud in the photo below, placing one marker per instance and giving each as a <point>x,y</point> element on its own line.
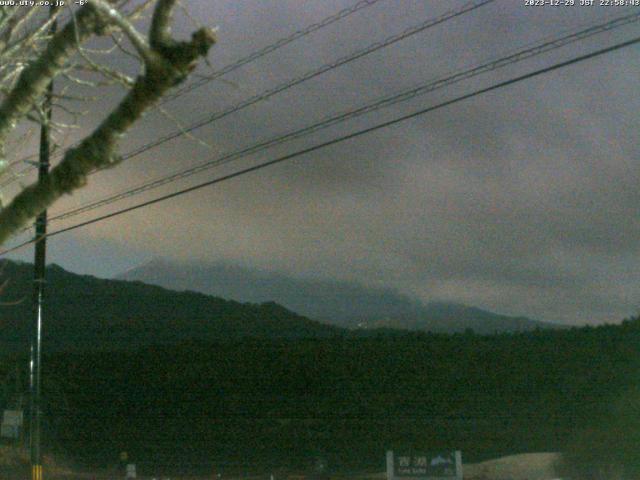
<point>524,200</point>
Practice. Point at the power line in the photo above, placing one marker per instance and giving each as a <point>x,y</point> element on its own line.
<point>337,140</point>
<point>271,48</point>
<point>345,12</point>
<point>350,114</point>
<point>429,23</point>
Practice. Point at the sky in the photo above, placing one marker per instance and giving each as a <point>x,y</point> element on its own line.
<point>522,201</point>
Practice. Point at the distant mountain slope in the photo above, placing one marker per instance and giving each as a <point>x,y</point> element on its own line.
<point>84,311</point>
<point>340,303</point>
<point>451,317</point>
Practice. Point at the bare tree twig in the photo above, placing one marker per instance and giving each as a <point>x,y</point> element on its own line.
<point>35,78</point>
<point>136,39</point>
<point>167,63</point>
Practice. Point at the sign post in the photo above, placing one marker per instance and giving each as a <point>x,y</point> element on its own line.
<point>131,470</point>
<point>444,465</point>
<point>12,422</point>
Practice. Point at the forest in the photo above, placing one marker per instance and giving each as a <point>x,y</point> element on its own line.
<point>261,404</point>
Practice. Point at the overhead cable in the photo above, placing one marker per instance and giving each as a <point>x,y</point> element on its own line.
<point>362,4</point>
<point>337,140</point>
<point>428,87</point>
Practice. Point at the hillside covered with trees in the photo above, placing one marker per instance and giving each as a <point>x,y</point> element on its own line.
<point>87,313</point>
<point>260,404</point>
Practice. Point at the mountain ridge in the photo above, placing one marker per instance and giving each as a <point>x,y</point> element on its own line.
<point>85,311</point>
<point>340,303</point>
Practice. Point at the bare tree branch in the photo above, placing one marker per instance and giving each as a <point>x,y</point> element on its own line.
<point>160,35</point>
<point>167,64</point>
<point>136,39</point>
<point>36,77</point>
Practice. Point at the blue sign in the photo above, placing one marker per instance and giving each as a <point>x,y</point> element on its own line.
<point>445,465</point>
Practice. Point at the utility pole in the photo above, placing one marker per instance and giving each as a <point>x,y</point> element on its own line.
<point>35,412</point>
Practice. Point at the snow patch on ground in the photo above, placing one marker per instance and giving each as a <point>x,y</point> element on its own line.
<point>527,466</point>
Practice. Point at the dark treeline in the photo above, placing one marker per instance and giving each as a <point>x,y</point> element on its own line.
<point>273,403</point>
<point>84,313</point>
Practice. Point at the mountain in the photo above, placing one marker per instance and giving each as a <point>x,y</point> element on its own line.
<point>339,303</point>
<point>453,317</point>
<point>81,311</point>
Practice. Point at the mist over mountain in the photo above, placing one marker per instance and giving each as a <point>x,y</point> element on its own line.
<point>336,302</point>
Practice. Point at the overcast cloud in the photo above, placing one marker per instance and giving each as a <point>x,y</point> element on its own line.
<point>523,201</point>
